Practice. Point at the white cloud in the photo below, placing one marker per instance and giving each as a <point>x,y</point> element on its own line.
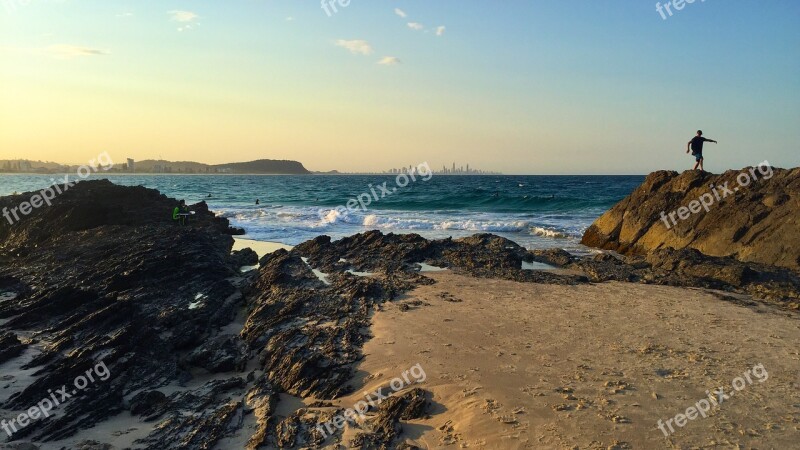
<point>356,46</point>
<point>400,13</point>
<point>390,61</point>
<point>183,16</point>
<point>125,14</point>
<point>289,19</point>
<point>66,51</point>
<point>440,30</point>
<point>415,26</point>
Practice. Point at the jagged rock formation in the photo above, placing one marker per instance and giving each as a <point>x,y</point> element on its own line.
<point>758,222</point>
<point>687,268</point>
<point>105,274</point>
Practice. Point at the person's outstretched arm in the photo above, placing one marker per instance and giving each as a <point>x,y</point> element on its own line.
<point>710,140</point>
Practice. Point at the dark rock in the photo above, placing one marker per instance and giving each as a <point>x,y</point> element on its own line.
<point>92,445</point>
<point>111,276</point>
<point>261,400</point>
<point>690,268</point>
<point>481,255</point>
<point>553,256</point>
<point>244,257</point>
<point>236,231</point>
<point>220,354</point>
<point>10,346</point>
<point>198,418</point>
<point>385,427</point>
<point>148,404</point>
<point>19,446</point>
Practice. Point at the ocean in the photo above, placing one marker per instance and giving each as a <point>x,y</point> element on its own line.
<point>534,211</point>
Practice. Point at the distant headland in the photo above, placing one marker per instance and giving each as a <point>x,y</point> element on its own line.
<point>258,167</point>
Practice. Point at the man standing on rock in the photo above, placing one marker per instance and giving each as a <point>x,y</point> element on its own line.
<point>696,145</point>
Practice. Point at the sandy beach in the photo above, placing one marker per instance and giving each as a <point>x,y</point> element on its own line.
<point>260,247</point>
<point>515,365</point>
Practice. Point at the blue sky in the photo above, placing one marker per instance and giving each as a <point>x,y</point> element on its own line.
<point>518,86</point>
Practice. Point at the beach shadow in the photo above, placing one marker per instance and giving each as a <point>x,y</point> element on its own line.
<point>415,431</point>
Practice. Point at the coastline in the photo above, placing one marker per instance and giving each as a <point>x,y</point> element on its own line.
<point>521,348</point>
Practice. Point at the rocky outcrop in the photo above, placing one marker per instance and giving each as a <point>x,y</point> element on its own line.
<point>686,268</point>
<point>105,275</point>
<point>751,215</point>
<point>480,255</point>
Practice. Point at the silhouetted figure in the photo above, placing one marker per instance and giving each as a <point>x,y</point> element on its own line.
<point>258,202</point>
<point>696,146</point>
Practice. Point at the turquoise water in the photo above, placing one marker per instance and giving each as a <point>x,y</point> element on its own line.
<point>534,211</point>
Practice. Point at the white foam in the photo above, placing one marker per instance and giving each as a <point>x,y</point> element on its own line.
<point>539,231</point>
<point>293,224</point>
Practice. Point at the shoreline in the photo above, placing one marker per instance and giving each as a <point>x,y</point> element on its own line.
<point>520,348</point>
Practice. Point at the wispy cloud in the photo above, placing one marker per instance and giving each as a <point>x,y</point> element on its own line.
<point>125,14</point>
<point>58,51</point>
<point>440,30</point>
<point>415,25</point>
<point>183,16</point>
<point>356,46</point>
<point>400,13</point>
<point>66,51</point>
<point>289,19</point>
<point>390,61</point>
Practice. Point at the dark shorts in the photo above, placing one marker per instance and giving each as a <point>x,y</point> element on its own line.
<point>697,156</point>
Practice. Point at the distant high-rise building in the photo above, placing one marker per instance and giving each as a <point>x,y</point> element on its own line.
<point>131,165</point>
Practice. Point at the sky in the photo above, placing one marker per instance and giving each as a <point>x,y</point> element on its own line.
<point>521,87</point>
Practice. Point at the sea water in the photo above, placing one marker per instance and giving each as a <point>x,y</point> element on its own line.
<point>534,211</point>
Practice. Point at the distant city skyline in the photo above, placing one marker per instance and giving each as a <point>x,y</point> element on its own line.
<point>454,170</point>
<point>509,89</point>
